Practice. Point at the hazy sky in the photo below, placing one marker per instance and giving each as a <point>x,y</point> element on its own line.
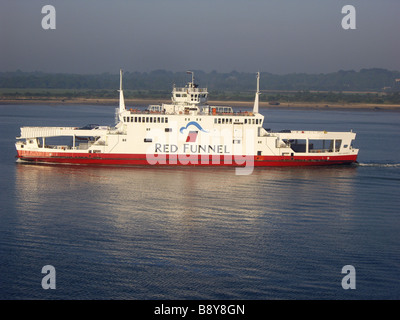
<point>277,36</point>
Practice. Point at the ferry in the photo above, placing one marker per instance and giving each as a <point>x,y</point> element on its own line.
<point>187,131</point>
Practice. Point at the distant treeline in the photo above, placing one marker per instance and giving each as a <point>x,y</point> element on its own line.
<point>363,80</point>
<point>365,86</point>
<point>300,96</point>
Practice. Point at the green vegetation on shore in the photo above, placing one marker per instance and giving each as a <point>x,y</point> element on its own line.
<point>376,86</point>
<point>301,96</point>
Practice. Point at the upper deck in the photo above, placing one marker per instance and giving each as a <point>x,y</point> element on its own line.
<point>188,100</point>
<point>172,109</point>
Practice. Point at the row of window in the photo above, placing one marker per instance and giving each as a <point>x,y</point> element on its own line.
<point>223,120</point>
<point>184,95</point>
<point>166,129</point>
<point>146,119</point>
<point>229,121</point>
<point>165,120</point>
<point>252,121</point>
<point>188,119</point>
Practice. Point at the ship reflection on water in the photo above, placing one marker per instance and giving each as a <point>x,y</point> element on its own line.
<point>178,191</point>
<point>180,232</point>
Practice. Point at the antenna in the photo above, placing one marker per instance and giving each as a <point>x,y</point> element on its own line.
<point>258,82</point>
<point>191,72</point>
<point>120,79</point>
<point>256,100</point>
<point>121,94</point>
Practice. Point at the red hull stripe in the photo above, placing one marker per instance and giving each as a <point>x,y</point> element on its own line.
<point>170,160</point>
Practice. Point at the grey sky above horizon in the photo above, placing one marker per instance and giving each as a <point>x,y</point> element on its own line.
<point>277,36</point>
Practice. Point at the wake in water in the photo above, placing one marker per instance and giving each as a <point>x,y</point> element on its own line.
<point>381,165</point>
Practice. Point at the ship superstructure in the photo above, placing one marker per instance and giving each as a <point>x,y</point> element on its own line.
<point>186,131</point>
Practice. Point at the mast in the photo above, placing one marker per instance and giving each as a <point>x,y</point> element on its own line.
<point>192,73</point>
<point>121,94</point>
<point>255,108</point>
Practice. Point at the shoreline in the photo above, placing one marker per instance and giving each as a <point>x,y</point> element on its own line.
<point>245,104</point>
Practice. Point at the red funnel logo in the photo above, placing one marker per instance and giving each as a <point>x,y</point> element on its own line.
<point>192,136</point>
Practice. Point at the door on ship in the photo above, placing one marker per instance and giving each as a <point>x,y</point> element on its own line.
<point>237,138</point>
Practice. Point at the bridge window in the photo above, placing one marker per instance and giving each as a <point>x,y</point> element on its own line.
<point>297,145</point>
<point>323,145</point>
<point>338,143</point>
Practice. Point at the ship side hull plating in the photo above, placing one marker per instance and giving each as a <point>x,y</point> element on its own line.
<point>182,159</point>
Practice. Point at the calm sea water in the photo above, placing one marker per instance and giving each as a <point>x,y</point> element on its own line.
<point>185,233</point>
